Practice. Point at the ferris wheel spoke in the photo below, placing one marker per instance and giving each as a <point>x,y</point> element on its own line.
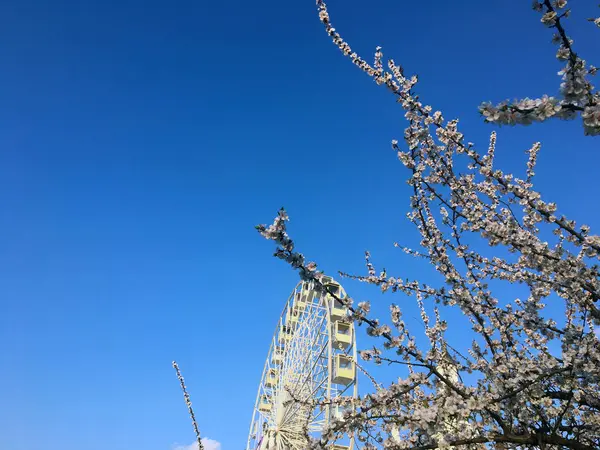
<point>310,394</point>
<point>291,442</point>
<point>340,393</point>
<point>318,357</point>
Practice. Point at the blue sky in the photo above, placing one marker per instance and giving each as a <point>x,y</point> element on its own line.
<point>140,142</point>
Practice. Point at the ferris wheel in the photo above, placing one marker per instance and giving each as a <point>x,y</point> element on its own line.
<point>311,360</point>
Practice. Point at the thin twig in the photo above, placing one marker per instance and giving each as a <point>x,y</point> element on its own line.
<point>188,402</point>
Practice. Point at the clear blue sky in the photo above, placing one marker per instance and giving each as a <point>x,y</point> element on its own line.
<point>140,142</point>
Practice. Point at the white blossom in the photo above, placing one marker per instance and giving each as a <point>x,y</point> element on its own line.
<point>577,92</point>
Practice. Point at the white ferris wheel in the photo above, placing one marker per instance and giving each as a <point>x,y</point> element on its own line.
<point>311,360</point>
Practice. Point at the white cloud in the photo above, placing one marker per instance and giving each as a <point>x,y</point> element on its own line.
<point>209,444</point>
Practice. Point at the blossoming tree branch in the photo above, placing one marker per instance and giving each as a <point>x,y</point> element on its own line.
<point>528,380</point>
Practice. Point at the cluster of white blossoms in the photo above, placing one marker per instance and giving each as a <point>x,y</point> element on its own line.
<point>530,379</point>
<point>577,92</point>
